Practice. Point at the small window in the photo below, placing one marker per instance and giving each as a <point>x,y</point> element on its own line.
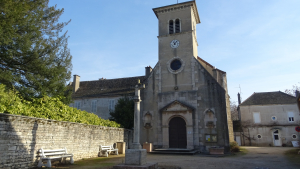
<point>78,105</point>
<point>294,136</point>
<point>256,117</point>
<point>274,118</point>
<point>259,136</point>
<point>291,116</point>
<point>177,26</point>
<point>111,106</point>
<point>94,106</point>
<point>210,138</point>
<point>171,27</point>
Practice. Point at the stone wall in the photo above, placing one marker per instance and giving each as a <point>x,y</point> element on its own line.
<point>21,137</point>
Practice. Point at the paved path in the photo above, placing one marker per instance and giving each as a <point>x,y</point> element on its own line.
<point>256,158</point>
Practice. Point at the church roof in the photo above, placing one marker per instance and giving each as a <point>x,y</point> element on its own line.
<point>107,87</point>
<point>267,98</point>
<point>203,62</point>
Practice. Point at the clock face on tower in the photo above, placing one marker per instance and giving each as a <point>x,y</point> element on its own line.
<point>174,44</point>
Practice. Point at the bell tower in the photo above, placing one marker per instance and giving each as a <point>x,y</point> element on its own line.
<point>177,45</point>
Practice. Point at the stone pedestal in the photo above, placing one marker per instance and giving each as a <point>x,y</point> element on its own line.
<point>147,146</point>
<point>135,157</point>
<point>121,147</point>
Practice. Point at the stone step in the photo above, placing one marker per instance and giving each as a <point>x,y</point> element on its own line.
<point>175,151</point>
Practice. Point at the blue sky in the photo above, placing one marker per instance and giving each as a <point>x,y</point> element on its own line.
<point>256,42</point>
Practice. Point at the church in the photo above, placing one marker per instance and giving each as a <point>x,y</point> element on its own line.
<point>185,103</point>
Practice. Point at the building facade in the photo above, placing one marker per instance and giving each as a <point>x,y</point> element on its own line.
<point>269,119</point>
<point>185,103</point>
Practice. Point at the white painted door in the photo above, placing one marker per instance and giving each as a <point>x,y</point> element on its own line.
<point>276,138</point>
<point>238,140</point>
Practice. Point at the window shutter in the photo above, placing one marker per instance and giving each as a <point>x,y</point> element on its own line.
<point>77,105</point>
<point>171,27</point>
<point>256,117</point>
<point>111,106</point>
<point>177,26</point>
<point>94,106</point>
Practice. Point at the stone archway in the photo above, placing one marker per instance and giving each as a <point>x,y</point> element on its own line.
<point>184,112</point>
<point>177,133</point>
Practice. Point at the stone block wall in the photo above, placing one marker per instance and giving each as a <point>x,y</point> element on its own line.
<point>21,137</point>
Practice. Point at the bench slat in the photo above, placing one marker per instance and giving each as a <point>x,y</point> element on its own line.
<point>45,151</point>
<point>52,154</point>
<point>50,158</point>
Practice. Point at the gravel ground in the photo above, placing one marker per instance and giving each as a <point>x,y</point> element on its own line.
<point>256,158</point>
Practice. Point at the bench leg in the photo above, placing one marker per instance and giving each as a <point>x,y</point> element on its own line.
<point>64,160</point>
<point>40,164</point>
<point>71,160</point>
<point>103,154</point>
<point>48,163</point>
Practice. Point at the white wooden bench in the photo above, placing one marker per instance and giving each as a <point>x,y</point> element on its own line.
<point>105,150</point>
<point>48,155</point>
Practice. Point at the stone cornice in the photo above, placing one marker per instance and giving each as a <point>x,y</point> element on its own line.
<point>174,34</point>
<point>178,6</point>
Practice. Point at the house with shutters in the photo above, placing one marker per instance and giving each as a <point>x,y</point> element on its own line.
<point>185,103</point>
<point>268,119</point>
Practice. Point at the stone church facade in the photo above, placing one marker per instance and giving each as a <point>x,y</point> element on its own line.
<point>185,103</point>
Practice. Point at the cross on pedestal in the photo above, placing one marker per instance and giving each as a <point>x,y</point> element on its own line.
<point>136,155</point>
<point>137,111</point>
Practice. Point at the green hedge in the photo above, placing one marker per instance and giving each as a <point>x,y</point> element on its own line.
<point>47,108</point>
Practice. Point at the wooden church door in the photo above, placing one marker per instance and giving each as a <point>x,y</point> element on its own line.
<point>177,133</point>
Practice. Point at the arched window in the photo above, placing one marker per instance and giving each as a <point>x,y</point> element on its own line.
<point>171,27</point>
<point>177,26</point>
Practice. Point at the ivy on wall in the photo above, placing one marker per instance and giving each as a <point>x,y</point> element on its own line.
<point>47,108</point>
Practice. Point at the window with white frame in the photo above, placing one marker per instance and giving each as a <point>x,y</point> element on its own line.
<point>78,104</point>
<point>291,116</point>
<point>111,105</point>
<point>94,106</point>
<point>294,136</point>
<point>256,117</point>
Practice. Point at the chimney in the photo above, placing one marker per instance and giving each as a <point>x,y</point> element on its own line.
<point>76,82</point>
<point>239,98</point>
<point>148,70</point>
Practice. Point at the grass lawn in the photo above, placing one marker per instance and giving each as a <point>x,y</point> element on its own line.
<point>293,156</point>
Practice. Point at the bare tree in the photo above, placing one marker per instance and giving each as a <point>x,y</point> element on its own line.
<point>292,91</point>
<point>233,110</point>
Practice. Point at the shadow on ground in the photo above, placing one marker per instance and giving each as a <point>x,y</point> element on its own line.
<point>100,163</point>
<point>293,156</point>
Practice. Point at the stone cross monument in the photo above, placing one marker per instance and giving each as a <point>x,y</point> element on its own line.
<point>136,155</point>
